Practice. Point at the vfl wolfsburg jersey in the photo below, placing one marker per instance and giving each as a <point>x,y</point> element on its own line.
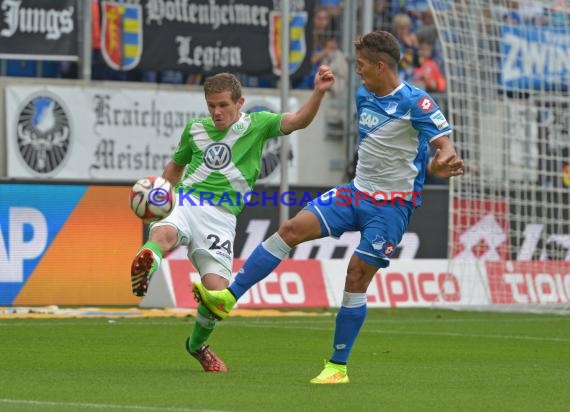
<point>223,165</point>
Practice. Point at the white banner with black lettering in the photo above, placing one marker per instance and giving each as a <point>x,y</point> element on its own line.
<point>111,133</point>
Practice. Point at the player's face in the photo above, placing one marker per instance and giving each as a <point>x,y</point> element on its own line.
<point>223,109</point>
<point>369,72</point>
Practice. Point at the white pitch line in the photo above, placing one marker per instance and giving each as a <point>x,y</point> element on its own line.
<point>261,320</point>
<point>396,321</point>
<point>297,324</point>
<point>104,406</point>
<point>393,332</point>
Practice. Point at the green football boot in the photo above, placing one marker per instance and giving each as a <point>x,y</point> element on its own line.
<point>219,302</point>
<point>331,374</point>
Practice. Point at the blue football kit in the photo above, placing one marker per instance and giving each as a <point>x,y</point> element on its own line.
<point>393,133</point>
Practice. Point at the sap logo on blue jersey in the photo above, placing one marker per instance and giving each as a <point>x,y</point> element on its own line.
<point>369,119</point>
<point>439,120</point>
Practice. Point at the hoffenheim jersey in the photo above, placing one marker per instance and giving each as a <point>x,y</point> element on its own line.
<point>393,134</point>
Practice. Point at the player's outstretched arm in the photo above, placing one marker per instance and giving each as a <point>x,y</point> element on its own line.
<point>324,79</point>
<point>445,162</point>
<point>173,172</point>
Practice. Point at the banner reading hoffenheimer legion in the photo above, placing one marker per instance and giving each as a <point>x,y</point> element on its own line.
<point>205,36</point>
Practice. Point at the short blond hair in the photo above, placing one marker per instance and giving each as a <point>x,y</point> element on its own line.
<point>223,82</point>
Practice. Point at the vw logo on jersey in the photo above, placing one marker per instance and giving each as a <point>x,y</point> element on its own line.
<point>370,120</point>
<point>217,156</point>
<point>43,134</point>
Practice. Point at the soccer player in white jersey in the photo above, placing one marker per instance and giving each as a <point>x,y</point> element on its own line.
<point>396,122</point>
<point>217,161</point>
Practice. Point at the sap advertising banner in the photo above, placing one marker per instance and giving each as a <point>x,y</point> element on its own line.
<point>109,134</point>
<point>52,238</point>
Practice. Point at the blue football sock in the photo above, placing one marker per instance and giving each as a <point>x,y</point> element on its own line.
<point>260,264</point>
<point>348,324</point>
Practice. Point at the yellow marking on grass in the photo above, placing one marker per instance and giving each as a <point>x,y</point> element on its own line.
<point>55,312</point>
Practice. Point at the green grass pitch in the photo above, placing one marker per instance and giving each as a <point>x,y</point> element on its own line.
<point>404,360</point>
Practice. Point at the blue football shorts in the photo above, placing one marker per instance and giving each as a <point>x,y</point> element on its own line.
<point>380,223</point>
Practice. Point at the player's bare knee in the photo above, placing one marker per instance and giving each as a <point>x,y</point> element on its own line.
<point>289,233</point>
<point>213,281</point>
<point>165,237</point>
<point>357,279</point>
<point>304,226</point>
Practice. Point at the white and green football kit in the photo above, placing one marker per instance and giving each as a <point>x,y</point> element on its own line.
<point>223,165</point>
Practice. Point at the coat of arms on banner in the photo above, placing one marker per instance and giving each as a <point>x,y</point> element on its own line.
<point>297,44</point>
<point>121,35</point>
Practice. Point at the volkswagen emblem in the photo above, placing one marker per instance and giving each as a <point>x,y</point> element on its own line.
<point>217,156</point>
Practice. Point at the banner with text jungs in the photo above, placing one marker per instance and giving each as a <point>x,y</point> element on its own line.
<point>39,29</point>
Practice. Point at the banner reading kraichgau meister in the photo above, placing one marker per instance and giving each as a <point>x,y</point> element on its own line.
<point>205,36</point>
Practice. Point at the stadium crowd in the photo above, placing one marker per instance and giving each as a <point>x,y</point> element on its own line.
<point>411,21</point>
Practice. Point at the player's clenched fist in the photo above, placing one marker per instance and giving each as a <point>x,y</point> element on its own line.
<point>324,78</point>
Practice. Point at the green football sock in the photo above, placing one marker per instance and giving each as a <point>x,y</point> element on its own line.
<point>157,253</point>
<point>152,246</point>
<point>203,328</point>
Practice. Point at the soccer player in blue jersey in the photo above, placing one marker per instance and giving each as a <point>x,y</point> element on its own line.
<point>396,122</point>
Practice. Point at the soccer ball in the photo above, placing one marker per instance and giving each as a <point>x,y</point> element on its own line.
<point>152,198</point>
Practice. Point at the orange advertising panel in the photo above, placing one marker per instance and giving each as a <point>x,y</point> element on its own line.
<point>67,245</point>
